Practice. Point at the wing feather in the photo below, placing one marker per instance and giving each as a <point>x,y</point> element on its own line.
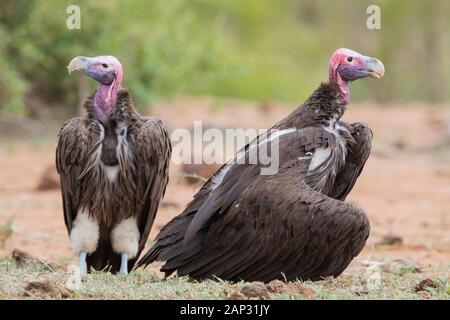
<point>153,149</point>
<point>77,140</point>
<point>247,231</point>
<point>358,154</point>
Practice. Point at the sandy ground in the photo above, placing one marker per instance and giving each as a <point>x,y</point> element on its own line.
<point>404,188</point>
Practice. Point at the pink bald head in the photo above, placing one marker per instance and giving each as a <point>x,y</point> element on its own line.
<point>347,65</point>
<point>107,70</point>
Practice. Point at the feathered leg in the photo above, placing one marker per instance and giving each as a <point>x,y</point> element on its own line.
<point>84,238</point>
<point>125,241</point>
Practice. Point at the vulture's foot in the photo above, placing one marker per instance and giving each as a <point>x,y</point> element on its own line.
<point>83,264</point>
<point>124,263</point>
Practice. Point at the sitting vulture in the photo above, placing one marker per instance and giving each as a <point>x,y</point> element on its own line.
<point>113,166</point>
<point>243,225</point>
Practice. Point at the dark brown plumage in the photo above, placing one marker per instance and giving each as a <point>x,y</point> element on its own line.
<point>113,170</point>
<point>243,225</point>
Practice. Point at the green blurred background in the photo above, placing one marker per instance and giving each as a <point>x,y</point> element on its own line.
<point>250,49</point>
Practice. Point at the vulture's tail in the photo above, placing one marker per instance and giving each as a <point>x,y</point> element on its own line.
<point>169,243</point>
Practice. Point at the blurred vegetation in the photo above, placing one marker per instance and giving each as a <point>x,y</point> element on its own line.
<point>250,49</point>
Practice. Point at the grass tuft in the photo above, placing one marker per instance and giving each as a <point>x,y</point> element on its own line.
<point>398,280</point>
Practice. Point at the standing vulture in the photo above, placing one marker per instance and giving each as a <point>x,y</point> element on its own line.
<point>243,225</point>
<point>113,166</point>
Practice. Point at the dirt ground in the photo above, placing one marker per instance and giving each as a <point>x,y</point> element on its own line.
<point>404,188</point>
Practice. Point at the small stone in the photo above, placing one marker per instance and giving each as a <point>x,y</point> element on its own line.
<point>256,290</point>
<point>46,288</point>
<point>424,285</point>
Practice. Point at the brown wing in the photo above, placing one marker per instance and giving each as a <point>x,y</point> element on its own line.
<point>78,138</point>
<point>356,158</point>
<point>252,220</point>
<point>153,150</point>
<point>291,146</point>
<point>294,233</point>
<point>277,227</point>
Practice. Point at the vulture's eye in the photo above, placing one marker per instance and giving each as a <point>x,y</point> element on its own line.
<point>350,59</point>
<point>105,65</point>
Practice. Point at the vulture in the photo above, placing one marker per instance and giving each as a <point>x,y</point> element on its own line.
<point>113,166</point>
<point>294,224</point>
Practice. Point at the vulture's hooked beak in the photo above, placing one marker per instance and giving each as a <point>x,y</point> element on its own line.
<point>374,68</point>
<point>78,64</point>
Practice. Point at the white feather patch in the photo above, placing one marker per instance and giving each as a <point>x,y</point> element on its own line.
<point>84,234</point>
<point>320,156</point>
<point>111,172</point>
<point>334,127</point>
<point>125,237</point>
<point>217,180</point>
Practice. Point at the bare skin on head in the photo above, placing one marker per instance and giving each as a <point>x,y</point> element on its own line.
<point>347,65</point>
<point>107,70</point>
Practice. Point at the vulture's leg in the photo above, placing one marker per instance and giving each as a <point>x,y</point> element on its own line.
<point>83,264</point>
<point>125,241</point>
<point>124,263</point>
<point>356,158</point>
<point>84,238</point>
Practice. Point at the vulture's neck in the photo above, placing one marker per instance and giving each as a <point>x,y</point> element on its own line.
<point>123,102</point>
<point>336,79</point>
<point>326,103</point>
<point>105,100</point>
